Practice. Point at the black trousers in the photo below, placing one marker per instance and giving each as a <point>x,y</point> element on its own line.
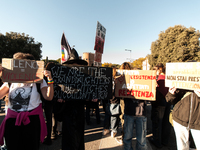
<point>24,137</point>
<point>48,110</point>
<point>73,127</point>
<point>94,105</point>
<point>161,126</point>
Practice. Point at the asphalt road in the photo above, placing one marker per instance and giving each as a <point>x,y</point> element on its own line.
<point>95,141</point>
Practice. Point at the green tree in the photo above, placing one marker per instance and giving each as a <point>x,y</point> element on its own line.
<point>176,44</point>
<point>107,65</point>
<point>110,65</point>
<point>15,42</point>
<point>138,63</point>
<point>59,60</point>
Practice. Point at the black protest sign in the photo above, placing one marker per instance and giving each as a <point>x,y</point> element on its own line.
<point>82,82</point>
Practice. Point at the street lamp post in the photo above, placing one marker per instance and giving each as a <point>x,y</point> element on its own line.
<point>130,53</point>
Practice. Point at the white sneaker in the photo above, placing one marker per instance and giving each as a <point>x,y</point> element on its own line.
<point>113,134</point>
<point>119,140</point>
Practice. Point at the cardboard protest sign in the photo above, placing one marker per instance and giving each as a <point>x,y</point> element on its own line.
<point>97,57</point>
<point>100,38</point>
<point>137,84</point>
<point>183,75</point>
<point>82,82</point>
<point>22,71</point>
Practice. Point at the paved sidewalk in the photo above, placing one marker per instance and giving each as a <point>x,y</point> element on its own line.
<point>95,141</point>
<point>109,143</point>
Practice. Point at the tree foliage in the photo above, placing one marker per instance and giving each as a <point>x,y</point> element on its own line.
<point>110,65</point>
<point>138,63</point>
<point>50,61</point>
<point>176,44</point>
<point>15,42</point>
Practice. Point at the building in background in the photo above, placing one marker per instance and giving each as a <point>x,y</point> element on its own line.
<point>89,57</point>
<point>145,65</point>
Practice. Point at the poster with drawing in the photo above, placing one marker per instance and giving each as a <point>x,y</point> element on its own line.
<point>183,75</point>
<point>138,84</point>
<point>22,71</point>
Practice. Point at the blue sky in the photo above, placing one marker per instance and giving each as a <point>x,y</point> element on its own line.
<point>130,24</point>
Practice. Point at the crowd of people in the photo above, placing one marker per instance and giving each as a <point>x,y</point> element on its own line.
<point>25,127</point>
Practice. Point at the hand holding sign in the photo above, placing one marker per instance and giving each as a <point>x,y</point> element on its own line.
<point>172,90</point>
<point>47,74</point>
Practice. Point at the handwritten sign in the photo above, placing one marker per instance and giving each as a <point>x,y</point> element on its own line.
<point>100,38</point>
<point>184,75</point>
<point>97,57</point>
<point>22,71</point>
<point>82,82</point>
<point>137,84</point>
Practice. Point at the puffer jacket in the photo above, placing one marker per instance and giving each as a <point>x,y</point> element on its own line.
<point>187,108</point>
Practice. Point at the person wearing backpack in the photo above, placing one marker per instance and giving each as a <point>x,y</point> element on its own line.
<point>24,125</point>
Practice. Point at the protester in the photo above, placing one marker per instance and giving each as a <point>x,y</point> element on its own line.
<point>73,114</point>
<point>6,99</point>
<point>48,110</point>
<point>185,116</point>
<point>124,66</point>
<point>94,104</point>
<point>24,125</point>
<point>161,127</point>
<point>134,117</point>
<point>0,106</point>
<point>0,85</point>
<point>113,112</point>
<point>3,147</point>
<point>57,115</point>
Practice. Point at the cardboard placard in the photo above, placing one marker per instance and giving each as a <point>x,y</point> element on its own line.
<point>183,75</point>
<point>22,71</point>
<point>137,84</point>
<point>82,82</point>
<point>100,38</point>
<point>97,57</point>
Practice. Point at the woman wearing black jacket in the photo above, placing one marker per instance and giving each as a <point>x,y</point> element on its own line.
<point>186,116</point>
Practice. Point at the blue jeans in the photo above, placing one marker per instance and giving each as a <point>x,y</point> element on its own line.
<point>140,125</point>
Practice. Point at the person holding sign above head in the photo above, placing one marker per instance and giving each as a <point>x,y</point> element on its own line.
<point>160,111</point>
<point>73,113</point>
<point>185,116</point>
<point>24,125</point>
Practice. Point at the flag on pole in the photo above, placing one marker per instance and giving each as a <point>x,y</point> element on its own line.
<point>65,49</point>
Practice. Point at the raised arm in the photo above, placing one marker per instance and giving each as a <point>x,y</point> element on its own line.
<point>48,92</point>
<point>174,95</point>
